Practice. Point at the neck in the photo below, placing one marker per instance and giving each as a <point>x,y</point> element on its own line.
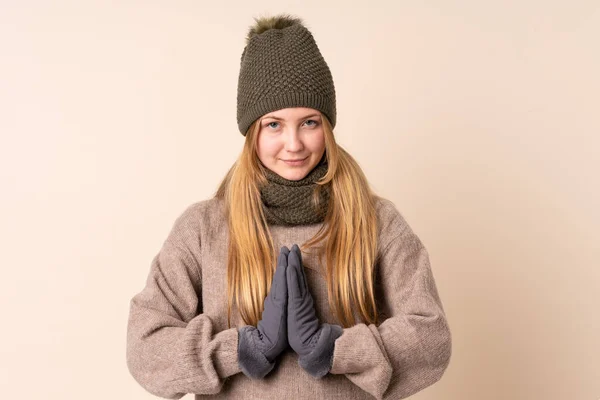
<point>287,202</point>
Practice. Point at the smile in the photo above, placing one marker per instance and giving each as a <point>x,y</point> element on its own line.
<point>296,162</point>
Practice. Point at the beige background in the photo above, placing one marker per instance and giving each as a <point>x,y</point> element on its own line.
<point>480,120</point>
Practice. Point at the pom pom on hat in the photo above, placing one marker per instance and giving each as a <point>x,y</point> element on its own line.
<point>277,22</point>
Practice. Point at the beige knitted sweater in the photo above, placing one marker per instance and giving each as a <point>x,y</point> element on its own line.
<point>178,341</point>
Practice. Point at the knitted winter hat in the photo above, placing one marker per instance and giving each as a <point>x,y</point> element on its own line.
<point>281,67</point>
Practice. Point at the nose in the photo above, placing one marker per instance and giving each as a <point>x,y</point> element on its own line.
<point>293,143</point>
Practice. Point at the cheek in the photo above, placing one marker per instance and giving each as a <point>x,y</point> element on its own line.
<point>266,147</point>
<point>319,141</point>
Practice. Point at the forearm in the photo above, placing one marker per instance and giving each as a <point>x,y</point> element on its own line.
<point>399,358</point>
<point>170,358</point>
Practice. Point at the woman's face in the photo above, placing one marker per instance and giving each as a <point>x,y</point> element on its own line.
<point>291,134</point>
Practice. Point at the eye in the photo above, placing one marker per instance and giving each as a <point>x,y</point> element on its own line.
<point>270,126</point>
<point>312,120</point>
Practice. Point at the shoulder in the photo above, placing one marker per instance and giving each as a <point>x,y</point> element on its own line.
<point>391,222</point>
<point>388,215</point>
<point>196,218</point>
<point>201,210</point>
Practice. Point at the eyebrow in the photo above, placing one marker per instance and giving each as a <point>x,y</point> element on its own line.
<point>282,119</point>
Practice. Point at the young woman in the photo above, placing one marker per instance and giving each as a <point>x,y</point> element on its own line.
<point>295,281</point>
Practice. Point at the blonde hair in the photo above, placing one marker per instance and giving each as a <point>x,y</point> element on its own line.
<point>350,230</point>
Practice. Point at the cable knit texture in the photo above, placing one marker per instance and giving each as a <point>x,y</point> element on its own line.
<point>178,340</point>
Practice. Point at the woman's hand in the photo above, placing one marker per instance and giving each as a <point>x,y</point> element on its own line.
<point>314,342</point>
<point>259,347</point>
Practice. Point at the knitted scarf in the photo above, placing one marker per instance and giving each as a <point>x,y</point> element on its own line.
<point>288,202</point>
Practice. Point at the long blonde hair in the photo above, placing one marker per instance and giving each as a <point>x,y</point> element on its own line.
<point>350,230</point>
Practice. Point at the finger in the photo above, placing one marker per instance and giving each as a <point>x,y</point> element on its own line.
<point>280,278</point>
<point>283,257</point>
<point>279,284</point>
<point>304,283</point>
<point>296,265</point>
<point>293,282</point>
<point>298,251</point>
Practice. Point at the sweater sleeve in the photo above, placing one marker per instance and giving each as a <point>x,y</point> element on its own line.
<point>171,349</point>
<point>411,349</point>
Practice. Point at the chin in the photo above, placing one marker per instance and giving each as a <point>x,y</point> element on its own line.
<point>293,175</point>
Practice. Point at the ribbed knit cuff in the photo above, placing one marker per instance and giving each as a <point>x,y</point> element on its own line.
<point>319,361</point>
<point>360,355</point>
<point>251,360</point>
<point>226,361</point>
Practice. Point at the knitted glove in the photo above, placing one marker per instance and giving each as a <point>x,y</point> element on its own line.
<point>314,342</point>
<point>258,347</point>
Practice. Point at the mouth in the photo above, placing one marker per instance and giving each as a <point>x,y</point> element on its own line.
<point>296,161</point>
